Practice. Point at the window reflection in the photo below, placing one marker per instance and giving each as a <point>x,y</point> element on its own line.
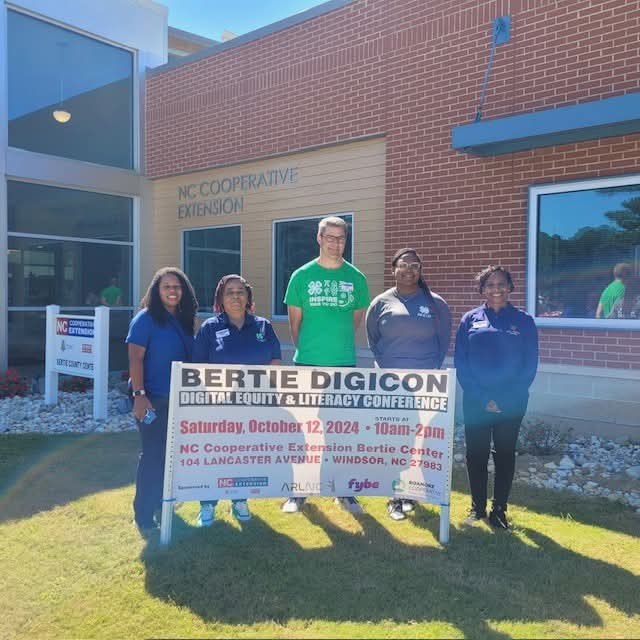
<point>55,69</point>
<point>210,254</point>
<point>583,239</point>
<point>295,245</point>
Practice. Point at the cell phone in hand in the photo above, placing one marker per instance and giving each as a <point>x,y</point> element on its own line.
<point>149,416</point>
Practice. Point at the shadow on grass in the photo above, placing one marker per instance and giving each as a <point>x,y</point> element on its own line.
<point>39,472</point>
<point>257,575</point>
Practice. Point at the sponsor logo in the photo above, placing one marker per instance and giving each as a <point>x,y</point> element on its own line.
<point>398,485</point>
<point>346,287</point>
<point>241,483</point>
<point>86,348</point>
<point>308,487</point>
<point>359,485</point>
<point>74,327</point>
<point>65,346</point>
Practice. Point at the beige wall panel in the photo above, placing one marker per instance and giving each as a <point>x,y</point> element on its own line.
<point>345,178</point>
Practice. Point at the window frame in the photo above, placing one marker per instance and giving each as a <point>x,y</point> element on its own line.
<point>317,218</point>
<point>136,100</point>
<point>183,232</point>
<point>532,251</point>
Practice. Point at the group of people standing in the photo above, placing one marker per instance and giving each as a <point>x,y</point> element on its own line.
<point>408,327</point>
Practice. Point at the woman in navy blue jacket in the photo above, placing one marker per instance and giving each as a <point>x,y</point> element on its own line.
<point>234,336</point>
<point>496,358</point>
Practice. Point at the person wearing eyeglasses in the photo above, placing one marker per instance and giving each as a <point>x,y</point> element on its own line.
<point>234,335</point>
<point>326,300</point>
<point>408,327</point>
<point>496,359</point>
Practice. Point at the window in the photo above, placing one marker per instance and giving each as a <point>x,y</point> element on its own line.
<point>294,245</point>
<point>580,233</point>
<point>210,254</point>
<point>54,71</point>
<point>66,247</point>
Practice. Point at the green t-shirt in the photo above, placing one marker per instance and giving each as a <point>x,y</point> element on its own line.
<point>328,298</point>
<point>111,294</point>
<point>611,295</point>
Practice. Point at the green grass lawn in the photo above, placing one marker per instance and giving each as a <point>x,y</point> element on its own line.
<point>73,565</point>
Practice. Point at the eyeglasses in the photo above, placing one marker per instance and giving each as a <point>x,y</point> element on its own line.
<point>412,266</point>
<point>334,239</point>
<point>235,293</point>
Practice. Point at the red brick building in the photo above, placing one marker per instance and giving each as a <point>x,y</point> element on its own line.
<point>403,75</point>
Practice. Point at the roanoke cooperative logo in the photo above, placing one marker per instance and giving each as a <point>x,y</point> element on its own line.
<point>241,483</point>
<point>397,485</point>
<point>359,485</point>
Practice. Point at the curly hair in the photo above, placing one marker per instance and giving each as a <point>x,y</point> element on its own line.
<point>482,277</point>
<point>187,308</point>
<point>218,306</point>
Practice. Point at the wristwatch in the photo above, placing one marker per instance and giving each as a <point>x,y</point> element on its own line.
<point>139,392</point>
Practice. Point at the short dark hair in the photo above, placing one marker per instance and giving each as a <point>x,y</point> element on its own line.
<point>219,293</point>
<point>622,270</point>
<point>482,277</point>
<point>187,308</point>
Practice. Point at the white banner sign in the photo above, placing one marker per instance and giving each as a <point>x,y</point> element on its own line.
<point>266,431</point>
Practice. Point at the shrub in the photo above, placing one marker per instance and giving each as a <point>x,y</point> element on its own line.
<point>76,383</point>
<point>541,438</point>
<point>12,384</point>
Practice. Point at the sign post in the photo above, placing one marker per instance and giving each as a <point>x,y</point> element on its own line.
<point>239,432</point>
<point>78,346</point>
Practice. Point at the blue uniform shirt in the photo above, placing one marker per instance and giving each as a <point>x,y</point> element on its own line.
<point>164,344</point>
<point>496,357</point>
<point>219,341</point>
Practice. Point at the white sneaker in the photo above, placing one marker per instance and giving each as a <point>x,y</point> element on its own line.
<point>206,515</point>
<point>350,504</point>
<point>408,505</point>
<point>293,505</point>
<point>240,511</point>
<point>394,507</point>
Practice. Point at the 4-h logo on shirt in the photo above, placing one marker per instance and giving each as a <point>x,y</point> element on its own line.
<point>423,312</point>
<point>260,336</point>
<point>315,288</point>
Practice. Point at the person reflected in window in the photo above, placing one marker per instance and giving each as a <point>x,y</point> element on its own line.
<point>629,305</point>
<point>614,291</point>
<point>234,335</point>
<point>496,358</point>
<point>408,327</point>
<point>159,334</point>
<point>111,296</point>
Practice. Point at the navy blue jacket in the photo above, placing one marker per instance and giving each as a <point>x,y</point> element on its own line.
<point>219,341</point>
<point>496,357</point>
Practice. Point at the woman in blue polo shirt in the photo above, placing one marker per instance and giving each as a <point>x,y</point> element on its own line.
<point>161,332</point>
<point>234,336</point>
<point>496,358</point>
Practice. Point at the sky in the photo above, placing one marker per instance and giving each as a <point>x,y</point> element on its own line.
<point>210,18</point>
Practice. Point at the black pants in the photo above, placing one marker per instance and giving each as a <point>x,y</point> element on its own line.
<point>480,428</point>
<point>150,473</point>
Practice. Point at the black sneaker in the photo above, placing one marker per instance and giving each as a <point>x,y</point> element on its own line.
<point>474,516</point>
<point>498,518</point>
<point>396,512</point>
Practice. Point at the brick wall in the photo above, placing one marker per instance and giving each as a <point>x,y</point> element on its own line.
<point>412,70</point>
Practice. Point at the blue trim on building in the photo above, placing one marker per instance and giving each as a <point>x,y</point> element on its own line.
<point>605,118</point>
<point>302,16</point>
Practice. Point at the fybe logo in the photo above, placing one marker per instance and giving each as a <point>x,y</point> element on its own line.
<point>358,485</point>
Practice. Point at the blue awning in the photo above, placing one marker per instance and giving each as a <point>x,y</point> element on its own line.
<point>588,121</point>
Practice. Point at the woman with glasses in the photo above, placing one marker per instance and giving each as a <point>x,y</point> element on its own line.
<point>408,327</point>
<point>496,358</point>
<point>234,336</point>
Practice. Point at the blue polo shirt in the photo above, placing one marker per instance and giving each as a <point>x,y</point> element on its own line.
<point>496,356</point>
<point>219,341</point>
<point>164,344</point>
